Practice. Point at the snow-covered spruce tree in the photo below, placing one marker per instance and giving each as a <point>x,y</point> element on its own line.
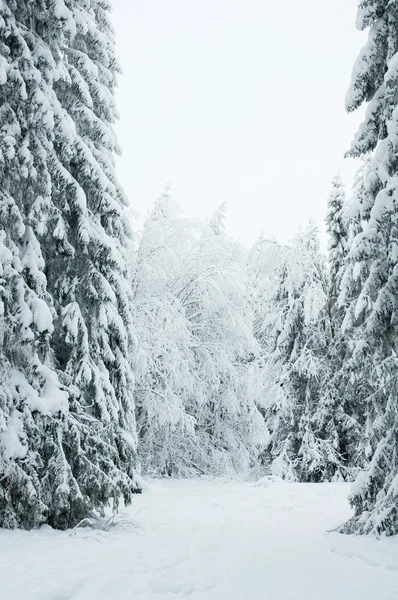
<point>334,418</point>
<point>77,228</point>
<point>330,410</point>
<point>337,230</point>
<point>348,383</point>
<point>90,283</point>
<point>297,334</point>
<point>31,395</point>
<point>355,268</point>
<point>375,76</point>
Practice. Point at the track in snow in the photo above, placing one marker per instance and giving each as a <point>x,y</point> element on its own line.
<point>208,540</point>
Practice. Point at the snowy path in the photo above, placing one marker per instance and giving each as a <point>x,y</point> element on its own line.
<point>208,541</point>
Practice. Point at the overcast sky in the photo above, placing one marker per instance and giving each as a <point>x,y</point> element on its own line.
<point>236,100</point>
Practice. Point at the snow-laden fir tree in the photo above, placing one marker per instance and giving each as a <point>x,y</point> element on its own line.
<point>375,76</point>
<point>76,233</point>
<point>331,407</point>
<point>32,399</point>
<point>337,230</point>
<point>335,416</point>
<point>348,381</point>
<point>296,336</point>
<point>90,284</point>
<point>356,265</point>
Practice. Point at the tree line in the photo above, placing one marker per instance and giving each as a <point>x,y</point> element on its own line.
<point>177,351</point>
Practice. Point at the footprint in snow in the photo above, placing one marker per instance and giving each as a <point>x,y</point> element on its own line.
<point>164,585</point>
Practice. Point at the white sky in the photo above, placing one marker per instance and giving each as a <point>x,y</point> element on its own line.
<point>236,100</point>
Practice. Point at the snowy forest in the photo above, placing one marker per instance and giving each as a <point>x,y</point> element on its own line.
<point>176,351</point>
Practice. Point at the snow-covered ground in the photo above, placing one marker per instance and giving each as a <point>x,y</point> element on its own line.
<point>208,540</point>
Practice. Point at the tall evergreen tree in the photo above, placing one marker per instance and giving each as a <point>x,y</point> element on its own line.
<point>90,285</point>
<point>32,396</point>
<point>297,334</point>
<point>349,383</point>
<point>336,413</point>
<point>59,76</point>
<point>375,495</point>
<point>337,230</point>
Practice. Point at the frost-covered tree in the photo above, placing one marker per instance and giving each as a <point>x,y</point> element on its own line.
<point>217,221</point>
<point>374,80</point>
<point>227,355</point>
<point>166,389</point>
<point>264,268</point>
<point>263,264</point>
<point>197,380</point>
